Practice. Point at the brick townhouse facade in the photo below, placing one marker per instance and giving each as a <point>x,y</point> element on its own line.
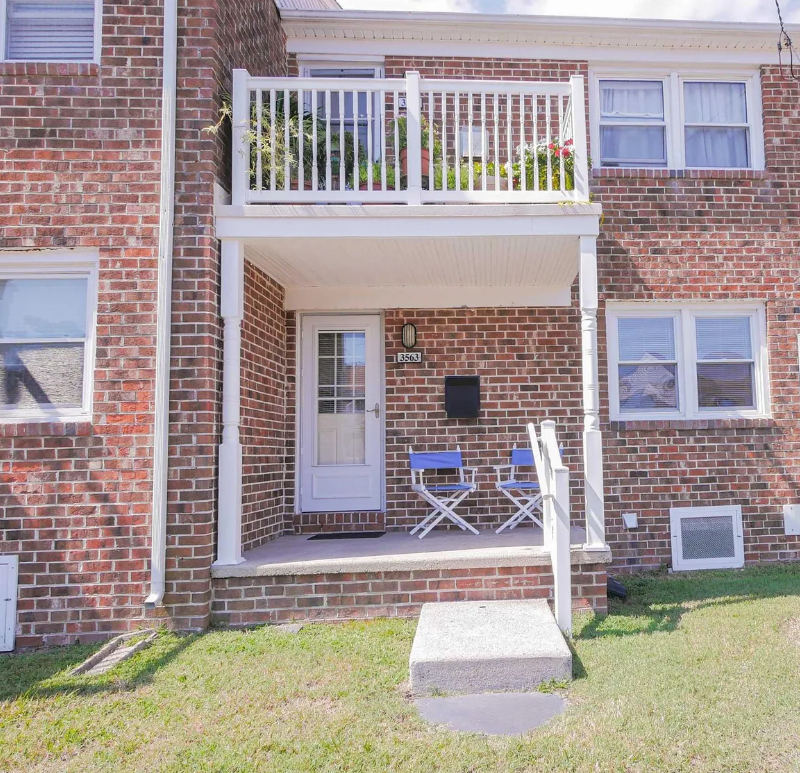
<point>691,232</point>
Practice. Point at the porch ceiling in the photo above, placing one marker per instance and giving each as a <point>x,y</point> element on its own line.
<point>388,257</point>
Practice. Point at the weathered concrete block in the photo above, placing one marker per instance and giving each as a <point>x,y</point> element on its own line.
<point>487,646</point>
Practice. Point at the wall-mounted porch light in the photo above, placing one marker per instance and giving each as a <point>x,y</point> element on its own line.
<point>409,335</point>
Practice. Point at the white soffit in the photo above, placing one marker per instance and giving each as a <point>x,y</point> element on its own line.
<point>443,272</point>
<point>530,37</point>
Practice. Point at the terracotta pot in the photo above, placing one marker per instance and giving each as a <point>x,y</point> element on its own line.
<point>426,161</point>
<point>491,183</point>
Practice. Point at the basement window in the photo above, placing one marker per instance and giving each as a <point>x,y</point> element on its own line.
<point>700,361</point>
<point>51,30</point>
<point>707,537</point>
<point>47,324</point>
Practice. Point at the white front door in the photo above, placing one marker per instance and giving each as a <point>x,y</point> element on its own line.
<point>341,414</point>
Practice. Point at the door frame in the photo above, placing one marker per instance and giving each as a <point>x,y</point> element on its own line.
<point>300,317</point>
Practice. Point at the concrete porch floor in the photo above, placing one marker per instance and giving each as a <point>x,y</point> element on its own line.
<point>399,551</point>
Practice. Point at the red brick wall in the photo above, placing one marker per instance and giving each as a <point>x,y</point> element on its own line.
<point>316,597</point>
<point>215,38</point>
<point>81,169</point>
<point>706,236</point>
<point>263,428</point>
<point>529,364</point>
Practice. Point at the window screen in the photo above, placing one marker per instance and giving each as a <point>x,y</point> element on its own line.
<point>43,334</point>
<point>725,362</point>
<point>648,364</point>
<point>632,123</point>
<point>716,132</point>
<point>50,30</point>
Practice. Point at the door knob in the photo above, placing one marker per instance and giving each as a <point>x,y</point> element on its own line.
<point>376,410</point>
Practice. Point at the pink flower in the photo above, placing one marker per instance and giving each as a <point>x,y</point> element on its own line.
<point>569,142</point>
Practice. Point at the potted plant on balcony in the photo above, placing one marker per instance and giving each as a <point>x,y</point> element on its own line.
<point>377,179</point>
<point>555,151</point>
<point>402,140</point>
<point>282,134</point>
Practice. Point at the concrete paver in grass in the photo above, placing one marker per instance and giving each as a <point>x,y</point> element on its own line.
<point>492,713</point>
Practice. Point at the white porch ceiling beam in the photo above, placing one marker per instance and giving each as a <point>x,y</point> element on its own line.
<point>445,221</point>
<point>369,298</point>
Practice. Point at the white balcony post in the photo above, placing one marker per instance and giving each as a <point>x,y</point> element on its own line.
<point>229,527</point>
<point>592,437</point>
<point>414,137</point>
<point>240,121</point>
<point>580,144</point>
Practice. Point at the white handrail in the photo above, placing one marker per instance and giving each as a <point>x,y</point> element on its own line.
<point>554,483</point>
<point>408,140</point>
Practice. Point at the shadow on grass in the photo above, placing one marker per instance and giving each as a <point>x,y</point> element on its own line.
<point>657,602</point>
<point>46,673</point>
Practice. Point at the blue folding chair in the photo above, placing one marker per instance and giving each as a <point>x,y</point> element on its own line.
<point>525,494</point>
<point>443,497</point>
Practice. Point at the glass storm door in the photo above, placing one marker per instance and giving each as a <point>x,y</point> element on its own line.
<point>340,450</point>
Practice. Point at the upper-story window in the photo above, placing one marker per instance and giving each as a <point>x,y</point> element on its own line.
<point>51,30</point>
<point>633,130</point>
<point>349,109</point>
<point>677,121</point>
<point>47,328</point>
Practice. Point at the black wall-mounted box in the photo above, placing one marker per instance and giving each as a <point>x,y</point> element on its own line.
<point>462,396</point>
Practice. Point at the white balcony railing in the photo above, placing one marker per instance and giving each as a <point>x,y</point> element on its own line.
<point>407,141</point>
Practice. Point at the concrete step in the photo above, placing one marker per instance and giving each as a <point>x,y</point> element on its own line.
<point>469,647</point>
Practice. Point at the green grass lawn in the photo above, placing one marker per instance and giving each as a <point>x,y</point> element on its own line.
<point>694,673</point>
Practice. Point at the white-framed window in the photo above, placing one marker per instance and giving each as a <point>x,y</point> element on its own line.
<point>633,126</point>
<point>353,110</point>
<point>699,361</point>
<point>51,30</point>
<point>677,120</point>
<point>48,308</point>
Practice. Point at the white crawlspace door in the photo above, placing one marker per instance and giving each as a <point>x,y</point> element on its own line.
<point>341,407</point>
<point>9,566</point>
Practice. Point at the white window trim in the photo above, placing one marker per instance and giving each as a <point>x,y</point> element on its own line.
<point>677,514</point>
<point>352,63</point>
<point>98,38</point>
<point>308,63</point>
<point>674,110</point>
<point>686,350</point>
<point>59,265</point>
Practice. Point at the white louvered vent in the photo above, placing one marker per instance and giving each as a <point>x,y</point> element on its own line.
<point>707,537</point>
<point>50,30</point>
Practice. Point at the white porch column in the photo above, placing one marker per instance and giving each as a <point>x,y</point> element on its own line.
<point>229,527</point>
<point>592,438</point>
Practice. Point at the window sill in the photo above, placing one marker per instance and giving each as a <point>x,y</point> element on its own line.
<point>50,69</point>
<point>729,421</point>
<point>55,418</point>
<point>627,172</point>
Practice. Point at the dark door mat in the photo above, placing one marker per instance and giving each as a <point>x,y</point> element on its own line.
<point>349,535</point>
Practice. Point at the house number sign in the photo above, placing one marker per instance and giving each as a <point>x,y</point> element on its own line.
<point>409,357</point>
